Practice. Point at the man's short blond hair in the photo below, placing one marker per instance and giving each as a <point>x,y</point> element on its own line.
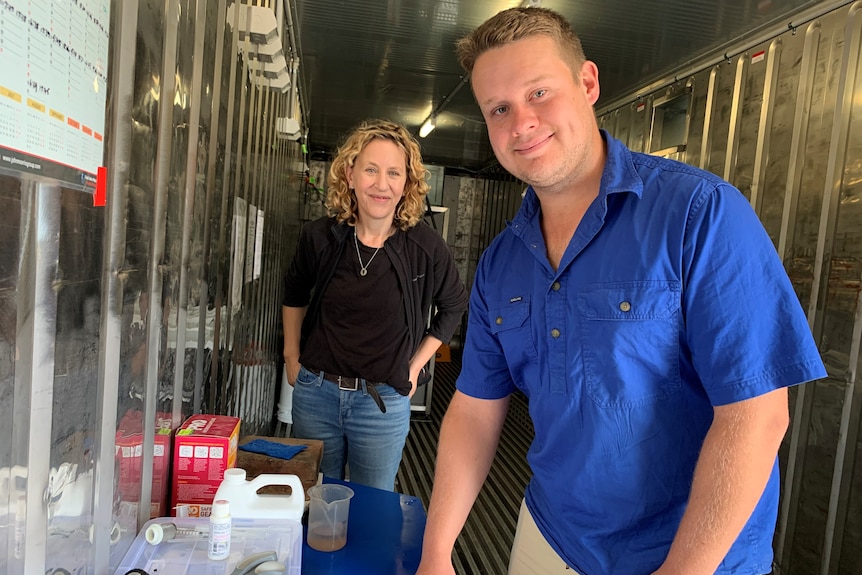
<point>516,24</point>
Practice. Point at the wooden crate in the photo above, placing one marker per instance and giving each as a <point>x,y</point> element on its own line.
<point>305,464</point>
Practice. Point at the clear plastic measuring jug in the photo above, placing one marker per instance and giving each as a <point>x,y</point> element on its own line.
<point>328,509</point>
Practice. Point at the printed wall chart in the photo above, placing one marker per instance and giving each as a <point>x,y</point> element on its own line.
<point>53,81</point>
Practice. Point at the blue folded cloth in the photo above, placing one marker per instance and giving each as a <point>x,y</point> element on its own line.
<point>272,448</point>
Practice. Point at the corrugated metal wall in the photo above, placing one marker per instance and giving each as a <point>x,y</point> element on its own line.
<point>783,122</point>
<point>163,303</point>
<point>164,279</point>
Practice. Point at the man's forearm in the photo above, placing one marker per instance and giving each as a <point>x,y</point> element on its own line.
<point>732,471</point>
<point>468,442</point>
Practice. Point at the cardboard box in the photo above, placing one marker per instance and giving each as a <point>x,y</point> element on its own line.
<point>444,354</point>
<point>204,446</point>
<point>128,452</point>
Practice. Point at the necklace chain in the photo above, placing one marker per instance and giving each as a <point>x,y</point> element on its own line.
<point>363,268</point>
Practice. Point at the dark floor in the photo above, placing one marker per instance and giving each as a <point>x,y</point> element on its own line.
<point>483,547</point>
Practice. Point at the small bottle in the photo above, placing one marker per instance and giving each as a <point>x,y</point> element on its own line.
<point>219,535</point>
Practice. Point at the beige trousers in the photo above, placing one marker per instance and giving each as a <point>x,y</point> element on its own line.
<point>531,553</point>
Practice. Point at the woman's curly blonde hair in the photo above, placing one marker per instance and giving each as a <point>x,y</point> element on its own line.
<point>341,200</point>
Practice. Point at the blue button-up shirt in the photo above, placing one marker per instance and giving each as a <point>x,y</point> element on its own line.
<point>669,300</point>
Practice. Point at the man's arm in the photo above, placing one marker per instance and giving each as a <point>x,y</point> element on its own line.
<point>732,470</point>
<point>468,441</point>
<point>292,319</point>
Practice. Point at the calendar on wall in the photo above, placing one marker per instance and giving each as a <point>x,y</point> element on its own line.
<point>53,83</point>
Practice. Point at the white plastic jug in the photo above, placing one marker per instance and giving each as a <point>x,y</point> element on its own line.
<point>247,503</point>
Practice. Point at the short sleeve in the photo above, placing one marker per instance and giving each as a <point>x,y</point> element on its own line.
<point>484,371</point>
<point>744,325</point>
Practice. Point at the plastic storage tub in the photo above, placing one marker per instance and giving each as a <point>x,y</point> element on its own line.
<point>186,553</point>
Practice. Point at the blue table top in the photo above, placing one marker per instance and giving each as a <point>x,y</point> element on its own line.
<point>384,536</point>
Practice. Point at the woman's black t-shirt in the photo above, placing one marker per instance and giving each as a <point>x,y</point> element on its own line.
<point>362,327</point>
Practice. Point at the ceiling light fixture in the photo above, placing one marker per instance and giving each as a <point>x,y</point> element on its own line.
<point>428,126</point>
<point>431,121</point>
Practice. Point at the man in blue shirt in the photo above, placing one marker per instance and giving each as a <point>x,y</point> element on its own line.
<point>642,309</point>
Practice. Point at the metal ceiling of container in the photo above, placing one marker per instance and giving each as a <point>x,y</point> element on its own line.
<point>395,58</point>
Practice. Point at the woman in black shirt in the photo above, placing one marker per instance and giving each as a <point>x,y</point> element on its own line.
<point>372,292</point>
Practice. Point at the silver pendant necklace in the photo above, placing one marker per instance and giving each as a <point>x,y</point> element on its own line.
<point>363,268</point>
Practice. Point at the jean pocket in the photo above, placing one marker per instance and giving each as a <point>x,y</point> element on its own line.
<point>386,391</point>
<point>630,341</point>
<point>307,377</point>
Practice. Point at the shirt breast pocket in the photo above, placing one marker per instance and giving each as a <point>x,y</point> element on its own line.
<point>510,323</point>
<point>630,342</point>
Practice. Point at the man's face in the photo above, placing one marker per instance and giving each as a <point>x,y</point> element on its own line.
<point>540,118</point>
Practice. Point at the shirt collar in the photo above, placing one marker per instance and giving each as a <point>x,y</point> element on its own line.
<point>618,175</point>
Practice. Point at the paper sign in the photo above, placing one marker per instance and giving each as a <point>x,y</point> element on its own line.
<point>53,87</point>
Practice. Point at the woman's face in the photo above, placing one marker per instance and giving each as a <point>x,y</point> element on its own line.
<point>378,177</point>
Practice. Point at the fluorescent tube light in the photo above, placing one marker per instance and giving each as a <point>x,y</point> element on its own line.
<point>427,127</point>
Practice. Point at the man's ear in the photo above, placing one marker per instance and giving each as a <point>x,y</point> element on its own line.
<point>590,81</point>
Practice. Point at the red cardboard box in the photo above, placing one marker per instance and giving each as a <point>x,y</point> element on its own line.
<point>128,451</point>
<point>204,446</point>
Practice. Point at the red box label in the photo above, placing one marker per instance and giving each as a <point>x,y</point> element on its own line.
<point>204,446</point>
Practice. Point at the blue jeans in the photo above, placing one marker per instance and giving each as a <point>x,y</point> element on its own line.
<point>353,429</point>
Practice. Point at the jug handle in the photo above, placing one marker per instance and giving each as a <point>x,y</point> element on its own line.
<point>279,479</point>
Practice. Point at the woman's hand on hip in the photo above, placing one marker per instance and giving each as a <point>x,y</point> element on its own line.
<point>414,378</point>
